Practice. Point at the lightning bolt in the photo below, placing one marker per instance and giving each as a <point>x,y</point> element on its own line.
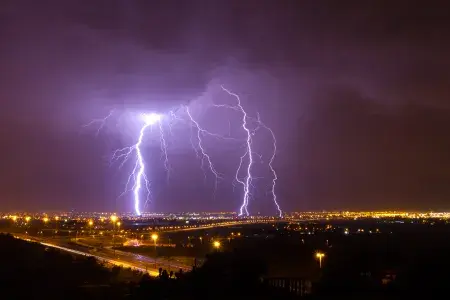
<point>137,179</point>
<point>249,154</point>
<point>101,121</point>
<point>141,174</point>
<point>177,118</point>
<point>201,132</point>
<point>247,182</point>
<point>137,175</point>
<point>272,158</point>
<point>164,149</point>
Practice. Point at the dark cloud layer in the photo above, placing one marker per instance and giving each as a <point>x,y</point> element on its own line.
<point>356,91</point>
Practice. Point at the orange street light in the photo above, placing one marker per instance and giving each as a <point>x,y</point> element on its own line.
<point>154,237</point>
<point>216,244</point>
<point>319,256</point>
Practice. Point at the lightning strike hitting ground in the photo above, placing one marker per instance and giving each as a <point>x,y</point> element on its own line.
<point>138,173</point>
<point>137,179</point>
<point>141,171</point>
<point>249,154</point>
<point>272,158</point>
<point>247,182</point>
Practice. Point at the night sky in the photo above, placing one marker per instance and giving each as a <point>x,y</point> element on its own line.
<point>357,93</point>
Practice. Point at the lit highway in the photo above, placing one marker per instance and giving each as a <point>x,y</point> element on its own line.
<point>104,259</point>
<point>217,225</point>
<point>118,258</point>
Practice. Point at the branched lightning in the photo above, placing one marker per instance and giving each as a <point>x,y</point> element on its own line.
<point>102,122</point>
<point>201,132</point>
<point>247,182</point>
<point>164,149</point>
<point>177,118</point>
<point>272,158</point>
<point>140,166</point>
<point>138,180</point>
<point>249,153</point>
<point>138,175</point>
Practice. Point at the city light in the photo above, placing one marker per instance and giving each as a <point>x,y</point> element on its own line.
<point>320,256</point>
<point>154,237</point>
<point>216,244</point>
<point>80,225</point>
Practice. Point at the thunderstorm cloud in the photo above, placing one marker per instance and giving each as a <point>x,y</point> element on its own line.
<point>356,92</point>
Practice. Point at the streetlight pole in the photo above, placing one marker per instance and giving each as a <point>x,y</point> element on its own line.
<point>118,229</point>
<point>155,238</point>
<point>114,236</point>
<point>113,220</point>
<point>91,223</point>
<point>319,256</point>
<point>27,221</point>
<point>56,226</point>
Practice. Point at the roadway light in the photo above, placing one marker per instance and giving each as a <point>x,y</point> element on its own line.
<point>114,220</point>
<point>118,224</point>
<point>27,218</point>
<point>91,223</point>
<point>45,220</point>
<point>319,256</point>
<point>155,238</point>
<point>216,244</point>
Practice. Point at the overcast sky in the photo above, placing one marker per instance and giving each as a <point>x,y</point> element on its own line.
<point>356,92</point>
